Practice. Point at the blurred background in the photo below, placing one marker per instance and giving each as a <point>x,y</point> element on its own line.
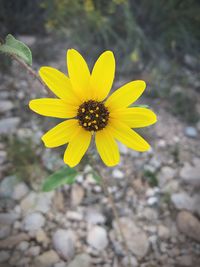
<point>156,193</point>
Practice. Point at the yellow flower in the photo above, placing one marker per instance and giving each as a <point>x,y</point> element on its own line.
<point>82,101</point>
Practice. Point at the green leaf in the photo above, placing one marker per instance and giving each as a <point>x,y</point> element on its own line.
<point>14,47</point>
<point>151,178</point>
<point>63,176</point>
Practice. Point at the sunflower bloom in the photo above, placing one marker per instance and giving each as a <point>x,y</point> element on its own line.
<point>82,100</point>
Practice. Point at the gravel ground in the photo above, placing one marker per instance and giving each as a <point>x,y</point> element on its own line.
<point>156,194</point>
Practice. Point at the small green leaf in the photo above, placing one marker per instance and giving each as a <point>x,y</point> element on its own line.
<point>14,47</point>
<point>63,176</point>
<point>151,178</point>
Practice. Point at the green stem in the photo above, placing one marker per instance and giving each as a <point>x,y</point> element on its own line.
<point>29,69</point>
<point>113,206</point>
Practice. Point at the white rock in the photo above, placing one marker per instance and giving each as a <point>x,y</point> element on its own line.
<point>5,105</point>
<point>87,168</point>
<point>74,216</point>
<point>151,192</point>
<point>89,179</point>
<point>182,201</point>
<point>59,201</point>
<point>64,243</point>
<point>20,191</point>
<point>163,232</point>
<point>17,225</point>
<point>154,244</point>
<point>94,217</point>
<point>9,125</point>
<point>188,225</point>
<point>149,168</point>
<point>149,214</point>
<point>112,189</point>
<point>42,238</point>
<point>166,174</point>
<point>171,187</point>
<point>80,178</point>
<point>33,251</point>
<point>163,247</point>
<point>155,162</point>
<point>17,209</point>
<point>161,143</point>
<point>136,238</point>
<point>153,239</point>
<point>22,246</point>
<point>47,259</point>
<point>25,133</point>
<point>82,260</point>
<point>116,173</point>
<point>97,188</point>
<point>77,194</point>
<point>152,201</point>
<point>97,237</point>
<point>33,222</point>
<point>37,202</point>
<point>191,132</point>
<point>190,174</point>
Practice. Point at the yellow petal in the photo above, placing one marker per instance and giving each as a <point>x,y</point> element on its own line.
<point>127,136</point>
<point>125,95</point>
<point>77,147</point>
<point>135,117</point>
<point>53,108</point>
<point>61,134</point>
<point>107,147</point>
<point>103,75</point>
<point>59,84</point>
<point>79,74</point>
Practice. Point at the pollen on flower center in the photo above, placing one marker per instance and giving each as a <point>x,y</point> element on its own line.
<point>93,115</point>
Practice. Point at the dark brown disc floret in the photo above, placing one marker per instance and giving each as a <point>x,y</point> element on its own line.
<point>93,115</point>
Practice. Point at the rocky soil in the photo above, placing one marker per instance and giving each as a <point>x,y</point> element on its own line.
<point>156,194</point>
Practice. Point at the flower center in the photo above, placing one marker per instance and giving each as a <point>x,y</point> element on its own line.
<point>93,115</point>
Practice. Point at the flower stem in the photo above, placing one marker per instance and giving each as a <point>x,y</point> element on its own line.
<point>32,72</point>
<point>29,69</point>
<point>113,206</point>
<point>116,215</point>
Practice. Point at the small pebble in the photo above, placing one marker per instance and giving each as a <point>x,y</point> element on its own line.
<point>116,173</point>
<point>191,132</point>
